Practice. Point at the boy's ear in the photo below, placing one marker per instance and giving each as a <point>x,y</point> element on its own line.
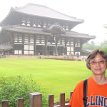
<point>88,66</point>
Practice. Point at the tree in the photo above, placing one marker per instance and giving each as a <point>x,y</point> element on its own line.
<point>103,46</point>
<point>90,46</point>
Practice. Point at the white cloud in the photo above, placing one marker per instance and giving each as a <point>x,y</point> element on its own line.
<point>92,11</point>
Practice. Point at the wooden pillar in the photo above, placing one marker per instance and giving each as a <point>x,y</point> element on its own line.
<point>56,47</point>
<point>45,45</point>
<point>20,102</point>
<point>12,42</point>
<point>5,103</point>
<point>23,43</point>
<point>62,100</point>
<point>34,44</point>
<point>80,47</point>
<point>35,99</point>
<point>74,45</point>
<point>51,101</point>
<point>65,46</point>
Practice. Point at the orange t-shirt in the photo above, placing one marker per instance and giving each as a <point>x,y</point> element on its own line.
<point>97,95</point>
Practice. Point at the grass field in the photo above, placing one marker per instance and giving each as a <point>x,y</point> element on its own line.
<point>56,76</point>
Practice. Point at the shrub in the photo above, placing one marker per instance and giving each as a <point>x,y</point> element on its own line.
<point>17,87</point>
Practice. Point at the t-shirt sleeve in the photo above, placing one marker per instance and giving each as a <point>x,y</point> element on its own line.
<point>77,96</point>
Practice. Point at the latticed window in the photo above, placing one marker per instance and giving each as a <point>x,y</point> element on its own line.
<point>77,43</point>
<point>17,52</point>
<point>17,38</point>
<point>28,39</point>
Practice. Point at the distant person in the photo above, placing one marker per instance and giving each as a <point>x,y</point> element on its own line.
<point>95,92</point>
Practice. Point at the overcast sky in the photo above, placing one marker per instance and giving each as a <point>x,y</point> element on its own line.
<point>93,12</point>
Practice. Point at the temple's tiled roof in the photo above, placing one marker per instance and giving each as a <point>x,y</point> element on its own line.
<point>43,11</point>
<point>79,35</point>
<point>32,30</point>
<point>22,29</point>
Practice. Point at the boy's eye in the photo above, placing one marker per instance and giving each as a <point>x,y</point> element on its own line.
<point>97,62</point>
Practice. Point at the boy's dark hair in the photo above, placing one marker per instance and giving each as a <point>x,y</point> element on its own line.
<point>93,54</point>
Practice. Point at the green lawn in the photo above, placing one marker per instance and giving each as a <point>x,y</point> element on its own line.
<point>56,76</point>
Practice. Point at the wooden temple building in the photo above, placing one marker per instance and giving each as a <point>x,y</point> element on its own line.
<point>38,30</point>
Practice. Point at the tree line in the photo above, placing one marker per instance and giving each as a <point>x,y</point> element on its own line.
<point>92,46</point>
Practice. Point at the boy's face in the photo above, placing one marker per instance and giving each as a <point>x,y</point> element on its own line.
<point>98,65</point>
